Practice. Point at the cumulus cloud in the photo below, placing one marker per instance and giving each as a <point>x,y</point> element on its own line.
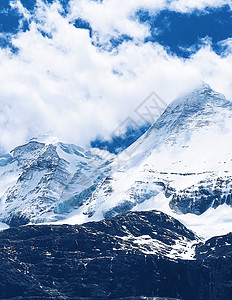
<point>59,83</point>
<point>115,17</point>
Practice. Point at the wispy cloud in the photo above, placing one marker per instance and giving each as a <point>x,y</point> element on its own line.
<point>191,5</point>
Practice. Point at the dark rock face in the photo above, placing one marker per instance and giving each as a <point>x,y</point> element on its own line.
<point>198,198</point>
<point>18,220</point>
<point>128,257</point>
<point>217,256</point>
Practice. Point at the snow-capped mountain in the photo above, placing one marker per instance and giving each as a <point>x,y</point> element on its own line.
<point>42,181</point>
<point>181,165</point>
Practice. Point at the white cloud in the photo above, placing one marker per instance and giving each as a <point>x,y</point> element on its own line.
<point>114,17</point>
<point>65,86</point>
<point>191,5</point>
<point>16,4</point>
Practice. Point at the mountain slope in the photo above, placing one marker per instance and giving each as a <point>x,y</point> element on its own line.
<point>181,165</point>
<point>44,181</point>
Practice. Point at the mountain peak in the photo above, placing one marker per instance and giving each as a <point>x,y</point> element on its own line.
<point>181,165</point>
<point>203,86</point>
<point>199,98</point>
<point>46,139</point>
<point>197,109</point>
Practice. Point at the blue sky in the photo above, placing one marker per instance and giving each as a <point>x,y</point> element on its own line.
<point>182,33</point>
<point>80,65</point>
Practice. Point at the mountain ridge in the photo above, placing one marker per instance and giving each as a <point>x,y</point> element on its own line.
<point>180,166</point>
<point>138,254</point>
<point>177,160</point>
